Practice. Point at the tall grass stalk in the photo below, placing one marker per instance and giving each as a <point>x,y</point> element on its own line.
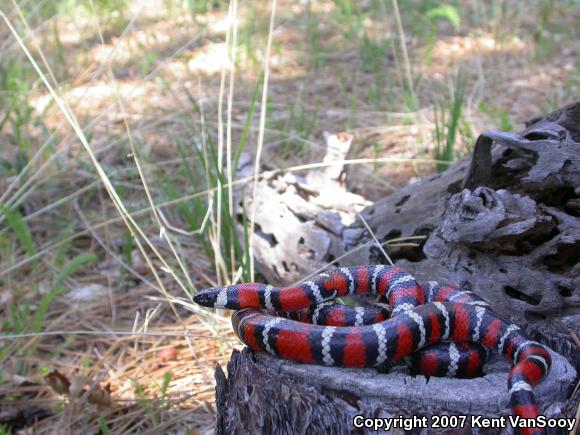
<point>445,133</point>
<point>407,63</point>
<point>15,222</point>
<point>232,54</point>
<point>261,133</point>
<point>75,264</point>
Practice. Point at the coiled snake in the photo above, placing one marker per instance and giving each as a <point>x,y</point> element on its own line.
<point>442,328</point>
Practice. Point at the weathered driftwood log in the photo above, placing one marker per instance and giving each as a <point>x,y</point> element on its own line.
<point>505,224</point>
<point>299,220</point>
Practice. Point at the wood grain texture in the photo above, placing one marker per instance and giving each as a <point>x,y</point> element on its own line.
<point>263,394</point>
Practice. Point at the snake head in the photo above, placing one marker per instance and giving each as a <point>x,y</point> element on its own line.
<point>232,297</point>
<point>207,298</point>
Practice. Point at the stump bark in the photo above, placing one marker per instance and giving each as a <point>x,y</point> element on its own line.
<point>504,224</point>
<point>264,395</point>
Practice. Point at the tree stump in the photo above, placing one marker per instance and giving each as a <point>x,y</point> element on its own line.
<point>505,224</point>
<point>263,394</point>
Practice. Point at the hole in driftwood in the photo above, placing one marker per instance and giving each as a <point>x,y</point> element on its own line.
<point>565,258</point>
<point>415,254</point>
<point>411,253</point>
<point>565,292</point>
<point>508,152</point>
<point>469,212</point>
<point>534,317</point>
<point>377,255</point>
<point>487,199</point>
<point>304,251</point>
<point>520,296</point>
<point>424,231</point>
<point>536,135</point>
<point>393,234</point>
<point>272,241</point>
<point>504,176</point>
<point>557,196</point>
<point>502,270</point>
<point>527,245</point>
<point>454,187</point>
<point>402,201</point>
<point>572,207</point>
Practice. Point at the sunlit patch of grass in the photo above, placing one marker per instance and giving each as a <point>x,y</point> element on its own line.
<point>447,123</point>
<point>501,117</point>
<point>294,128</point>
<point>445,12</point>
<point>17,115</point>
<point>72,267</point>
<point>20,228</point>
<point>203,6</point>
<point>374,57</point>
<point>316,51</point>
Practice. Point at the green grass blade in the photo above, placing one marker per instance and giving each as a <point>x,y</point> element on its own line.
<point>446,12</point>
<point>74,265</point>
<point>248,121</point>
<point>17,224</point>
<point>455,115</point>
<point>246,273</point>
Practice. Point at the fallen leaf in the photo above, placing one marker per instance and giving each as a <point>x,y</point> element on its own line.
<point>77,386</point>
<point>101,396</point>
<point>138,263</point>
<point>58,382</point>
<point>6,301</point>
<point>167,354</point>
<point>88,293</point>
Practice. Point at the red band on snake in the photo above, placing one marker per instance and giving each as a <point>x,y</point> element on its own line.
<point>421,317</point>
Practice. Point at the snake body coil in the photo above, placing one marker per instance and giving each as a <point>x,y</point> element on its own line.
<point>442,328</point>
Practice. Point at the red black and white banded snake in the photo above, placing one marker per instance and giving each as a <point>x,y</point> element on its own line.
<point>425,318</point>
